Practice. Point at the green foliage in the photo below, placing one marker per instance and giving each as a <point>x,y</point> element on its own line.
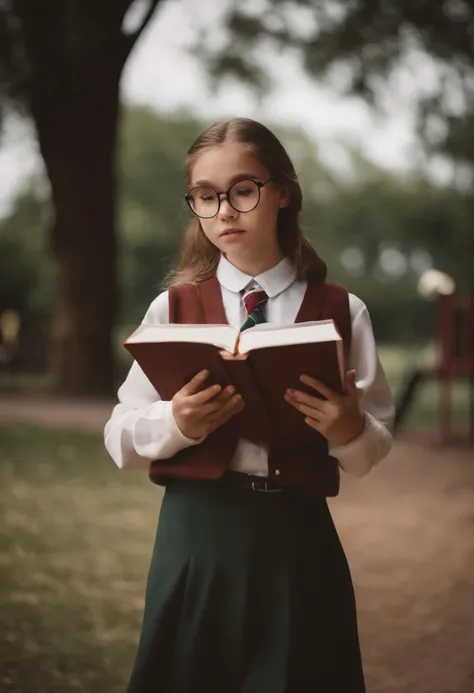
<point>152,154</point>
<point>459,140</point>
<point>407,213</point>
<point>25,267</point>
<point>152,211</point>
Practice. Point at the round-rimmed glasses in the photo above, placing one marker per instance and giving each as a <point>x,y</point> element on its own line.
<point>242,196</point>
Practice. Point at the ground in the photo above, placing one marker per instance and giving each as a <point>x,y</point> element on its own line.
<point>407,529</point>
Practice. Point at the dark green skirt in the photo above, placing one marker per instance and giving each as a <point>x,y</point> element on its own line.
<point>248,592</point>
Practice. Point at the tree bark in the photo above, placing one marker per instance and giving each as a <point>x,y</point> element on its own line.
<point>79,156</point>
<point>76,53</point>
<point>84,242</point>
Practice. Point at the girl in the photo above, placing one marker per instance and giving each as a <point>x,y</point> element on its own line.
<point>249,589</point>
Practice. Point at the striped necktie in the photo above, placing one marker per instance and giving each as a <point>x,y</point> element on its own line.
<point>254,301</point>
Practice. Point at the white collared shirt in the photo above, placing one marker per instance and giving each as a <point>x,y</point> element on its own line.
<point>142,427</point>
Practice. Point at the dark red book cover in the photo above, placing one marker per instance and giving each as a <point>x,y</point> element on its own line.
<point>262,379</point>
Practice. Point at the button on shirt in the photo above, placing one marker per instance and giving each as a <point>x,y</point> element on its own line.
<point>142,427</point>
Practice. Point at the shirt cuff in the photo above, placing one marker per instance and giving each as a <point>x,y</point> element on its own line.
<point>359,455</point>
<point>156,434</point>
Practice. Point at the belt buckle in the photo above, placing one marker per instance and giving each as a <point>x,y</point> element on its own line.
<point>262,487</point>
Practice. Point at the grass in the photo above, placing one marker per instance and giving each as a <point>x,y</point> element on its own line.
<point>75,542</point>
<point>21,381</point>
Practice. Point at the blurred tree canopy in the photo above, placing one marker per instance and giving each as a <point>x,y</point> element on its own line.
<point>357,46</point>
<point>63,59</point>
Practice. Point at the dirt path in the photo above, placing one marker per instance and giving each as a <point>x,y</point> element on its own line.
<point>56,412</point>
<point>408,530</point>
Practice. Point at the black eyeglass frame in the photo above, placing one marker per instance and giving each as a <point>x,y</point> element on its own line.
<point>226,194</point>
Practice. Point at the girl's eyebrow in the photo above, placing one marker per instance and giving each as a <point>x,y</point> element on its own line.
<point>234,179</point>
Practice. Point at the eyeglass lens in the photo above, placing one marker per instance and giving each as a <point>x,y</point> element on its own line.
<point>243,197</point>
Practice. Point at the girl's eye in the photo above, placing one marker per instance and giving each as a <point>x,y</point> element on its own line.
<point>243,192</point>
<point>205,195</point>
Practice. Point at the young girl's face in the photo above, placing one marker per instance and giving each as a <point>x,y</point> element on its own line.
<point>239,235</point>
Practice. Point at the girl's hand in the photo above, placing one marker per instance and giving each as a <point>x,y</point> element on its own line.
<point>199,412</point>
<point>338,418</point>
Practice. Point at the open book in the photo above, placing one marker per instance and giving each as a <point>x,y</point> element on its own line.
<point>261,362</point>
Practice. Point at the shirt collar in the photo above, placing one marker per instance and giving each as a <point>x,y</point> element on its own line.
<point>273,281</point>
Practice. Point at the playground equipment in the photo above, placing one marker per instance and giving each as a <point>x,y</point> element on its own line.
<point>455,360</point>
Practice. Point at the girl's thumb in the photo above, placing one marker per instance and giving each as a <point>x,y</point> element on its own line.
<point>351,381</point>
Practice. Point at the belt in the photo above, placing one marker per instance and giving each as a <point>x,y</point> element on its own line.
<point>252,483</point>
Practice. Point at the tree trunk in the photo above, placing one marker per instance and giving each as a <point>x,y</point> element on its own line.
<point>85,248</point>
<point>76,55</point>
<point>76,52</point>
<point>79,157</point>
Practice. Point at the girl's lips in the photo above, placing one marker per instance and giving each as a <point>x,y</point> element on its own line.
<point>232,232</point>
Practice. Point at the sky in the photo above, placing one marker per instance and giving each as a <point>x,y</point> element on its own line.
<point>161,73</point>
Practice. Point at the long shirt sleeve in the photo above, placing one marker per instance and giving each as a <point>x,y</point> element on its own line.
<point>142,427</point>
<point>359,455</point>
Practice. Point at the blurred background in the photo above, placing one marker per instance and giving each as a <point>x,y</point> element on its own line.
<point>99,104</point>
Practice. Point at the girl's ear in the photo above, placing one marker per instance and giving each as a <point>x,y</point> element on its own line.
<point>284,197</point>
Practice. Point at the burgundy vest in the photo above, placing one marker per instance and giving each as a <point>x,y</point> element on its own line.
<point>297,465</point>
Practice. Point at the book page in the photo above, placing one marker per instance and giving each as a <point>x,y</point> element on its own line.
<point>268,335</point>
<point>221,336</point>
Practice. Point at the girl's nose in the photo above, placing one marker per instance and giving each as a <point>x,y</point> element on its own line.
<point>226,211</point>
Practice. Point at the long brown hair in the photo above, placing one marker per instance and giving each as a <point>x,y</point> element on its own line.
<point>199,257</point>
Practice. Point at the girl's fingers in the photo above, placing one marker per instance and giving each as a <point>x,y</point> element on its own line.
<point>226,394</point>
<point>319,386</point>
<point>214,394</point>
<point>195,384</point>
<point>313,424</point>
<point>307,411</point>
<point>351,387</point>
<point>227,409</point>
<point>296,396</point>
<point>204,396</point>
<point>226,413</point>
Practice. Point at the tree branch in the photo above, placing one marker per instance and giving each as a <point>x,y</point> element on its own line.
<point>129,41</point>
